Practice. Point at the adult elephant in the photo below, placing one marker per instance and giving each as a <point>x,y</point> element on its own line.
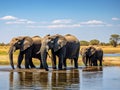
<point>28,46</point>
<point>62,46</point>
<point>92,54</point>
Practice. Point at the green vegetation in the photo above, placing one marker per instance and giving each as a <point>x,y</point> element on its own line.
<point>94,42</point>
<point>114,39</point>
<point>84,43</point>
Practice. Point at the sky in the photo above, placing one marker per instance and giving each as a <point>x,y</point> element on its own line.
<point>86,19</point>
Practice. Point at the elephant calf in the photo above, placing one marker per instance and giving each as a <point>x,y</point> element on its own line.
<point>92,54</point>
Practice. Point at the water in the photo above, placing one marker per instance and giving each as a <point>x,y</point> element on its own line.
<point>112,55</point>
<point>92,78</point>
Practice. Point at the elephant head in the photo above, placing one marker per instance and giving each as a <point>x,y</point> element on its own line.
<point>54,42</point>
<point>91,51</point>
<point>83,53</point>
<point>21,43</point>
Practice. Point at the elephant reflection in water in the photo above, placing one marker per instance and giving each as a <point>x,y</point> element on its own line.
<point>19,79</point>
<point>92,78</point>
<point>22,80</point>
<point>65,78</point>
<point>43,80</point>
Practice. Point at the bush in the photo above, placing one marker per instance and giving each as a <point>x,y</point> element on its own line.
<point>84,43</point>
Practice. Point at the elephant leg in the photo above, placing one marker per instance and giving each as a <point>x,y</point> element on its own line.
<point>86,61</point>
<point>95,62</point>
<point>53,60</point>
<point>20,58</point>
<point>60,62</point>
<point>27,59</point>
<point>100,62</point>
<point>76,62</point>
<point>90,62</point>
<point>31,63</point>
<point>64,63</point>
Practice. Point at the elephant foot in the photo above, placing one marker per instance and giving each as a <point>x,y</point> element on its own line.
<point>76,67</point>
<point>26,67</point>
<point>33,67</point>
<point>18,66</point>
<point>60,69</point>
<point>54,68</point>
<point>46,69</point>
<point>41,68</point>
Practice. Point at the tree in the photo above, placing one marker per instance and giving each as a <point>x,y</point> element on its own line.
<point>94,42</point>
<point>84,43</point>
<point>114,39</point>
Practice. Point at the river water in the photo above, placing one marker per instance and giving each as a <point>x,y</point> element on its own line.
<point>91,78</point>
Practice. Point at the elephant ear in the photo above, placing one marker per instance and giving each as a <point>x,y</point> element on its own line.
<point>59,42</point>
<point>27,42</point>
<point>92,51</point>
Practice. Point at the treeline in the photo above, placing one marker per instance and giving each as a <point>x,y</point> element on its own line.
<point>113,40</point>
<point>95,42</point>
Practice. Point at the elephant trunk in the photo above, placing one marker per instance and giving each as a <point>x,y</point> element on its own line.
<point>11,50</point>
<point>84,60</point>
<point>43,53</point>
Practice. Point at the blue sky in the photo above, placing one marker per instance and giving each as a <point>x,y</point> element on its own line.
<point>86,19</point>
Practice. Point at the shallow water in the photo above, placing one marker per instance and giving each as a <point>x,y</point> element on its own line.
<point>112,55</point>
<point>92,78</point>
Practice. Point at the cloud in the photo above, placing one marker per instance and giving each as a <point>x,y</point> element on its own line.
<point>20,22</point>
<point>93,22</point>
<point>115,19</point>
<point>16,20</point>
<point>62,21</point>
<point>8,18</point>
<point>54,24</point>
<point>64,26</point>
<point>57,26</point>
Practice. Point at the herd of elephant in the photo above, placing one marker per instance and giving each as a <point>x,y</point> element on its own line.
<point>65,47</point>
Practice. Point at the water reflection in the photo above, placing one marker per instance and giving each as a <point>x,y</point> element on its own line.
<point>92,78</point>
<point>44,80</point>
<point>95,68</point>
<point>88,78</point>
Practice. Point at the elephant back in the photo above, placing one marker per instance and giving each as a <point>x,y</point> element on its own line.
<point>71,38</point>
<point>72,46</point>
<point>36,39</point>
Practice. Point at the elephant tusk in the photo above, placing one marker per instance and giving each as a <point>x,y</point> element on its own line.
<point>38,52</point>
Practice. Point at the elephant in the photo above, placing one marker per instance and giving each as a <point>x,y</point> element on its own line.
<point>64,47</point>
<point>28,46</point>
<point>92,54</point>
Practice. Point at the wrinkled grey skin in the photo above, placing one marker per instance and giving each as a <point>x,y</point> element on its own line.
<point>92,54</point>
<point>62,46</point>
<point>28,46</point>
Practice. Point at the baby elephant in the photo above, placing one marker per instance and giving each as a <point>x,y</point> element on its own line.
<point>92,54</point>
